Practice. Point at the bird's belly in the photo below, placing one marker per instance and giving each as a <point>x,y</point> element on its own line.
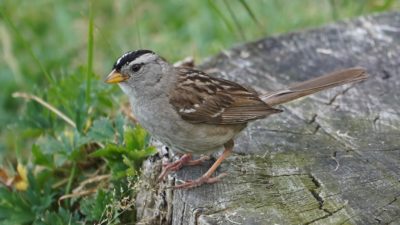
<point>197,139</point>
<point>182,136</point>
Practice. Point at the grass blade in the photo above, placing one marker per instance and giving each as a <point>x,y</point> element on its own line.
<point>89,53</point>
<point>250,12</point>
<point>215,8</point>
<point>235,20</point>
<point>26,45</point>
<point>334,11</point>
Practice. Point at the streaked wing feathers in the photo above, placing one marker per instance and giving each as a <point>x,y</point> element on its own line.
<point>199,98</point>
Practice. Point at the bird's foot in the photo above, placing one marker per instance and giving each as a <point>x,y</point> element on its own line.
<point>185,160</point>
<point>200,181</point>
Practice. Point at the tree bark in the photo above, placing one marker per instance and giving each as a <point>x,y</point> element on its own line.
<point>330,158</point>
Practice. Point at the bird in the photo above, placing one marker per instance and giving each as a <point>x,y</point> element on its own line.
<point>194,113</point>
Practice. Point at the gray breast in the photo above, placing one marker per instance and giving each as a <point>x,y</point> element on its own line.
<point>164,124</point>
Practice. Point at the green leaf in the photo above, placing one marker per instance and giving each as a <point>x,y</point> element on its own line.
<point>139,156</point>
<point>13,208</point>
<point>110,151</point>
<point>126,160</point>
<point>94,207</point>
<point>24,207</point>
<point>102,130</point>
<point>61,217</point>
<point>40,158</point>
<point>119,126</point>
<point>80,139</point>
<point>50,145</point>
<point>132,170</point>
<point>135,138</point>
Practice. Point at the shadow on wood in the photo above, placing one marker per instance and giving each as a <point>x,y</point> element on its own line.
<point>330,158</point>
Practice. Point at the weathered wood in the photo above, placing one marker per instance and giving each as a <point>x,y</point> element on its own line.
<point>331,158</point>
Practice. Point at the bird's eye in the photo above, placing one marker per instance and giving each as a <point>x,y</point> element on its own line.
<point>136,67</point>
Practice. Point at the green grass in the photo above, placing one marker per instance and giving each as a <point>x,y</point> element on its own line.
<point>58,52</point>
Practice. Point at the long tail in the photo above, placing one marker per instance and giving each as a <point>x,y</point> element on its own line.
<point>327,81</point>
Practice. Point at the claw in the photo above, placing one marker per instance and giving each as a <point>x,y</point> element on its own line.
<point>206,178</point>
<point>200,181</point>
<point>185,160</point>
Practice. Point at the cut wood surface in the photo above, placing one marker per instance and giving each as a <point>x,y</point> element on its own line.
<point>330,158</point>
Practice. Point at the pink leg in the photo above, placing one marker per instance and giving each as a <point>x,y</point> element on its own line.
<point>185,160</point>
<point>206,178</point>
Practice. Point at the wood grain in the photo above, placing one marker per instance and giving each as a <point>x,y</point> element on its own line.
<point>331,158</point>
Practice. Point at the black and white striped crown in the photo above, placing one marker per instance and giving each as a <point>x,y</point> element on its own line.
<point>129,57</point>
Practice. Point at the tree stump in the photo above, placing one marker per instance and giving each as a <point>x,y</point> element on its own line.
<point>330,158</point>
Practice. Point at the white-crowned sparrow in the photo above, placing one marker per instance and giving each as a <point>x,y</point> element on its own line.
<point>194,113</point>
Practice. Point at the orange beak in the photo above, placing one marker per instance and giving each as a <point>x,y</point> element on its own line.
<point>115,77</point>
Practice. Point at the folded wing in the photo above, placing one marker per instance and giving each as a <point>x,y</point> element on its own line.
<point>199,98</point>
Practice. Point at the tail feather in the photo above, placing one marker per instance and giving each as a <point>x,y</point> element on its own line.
<point>327,81</point>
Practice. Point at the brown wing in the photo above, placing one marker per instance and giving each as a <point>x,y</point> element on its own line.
<point>199,98</point>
